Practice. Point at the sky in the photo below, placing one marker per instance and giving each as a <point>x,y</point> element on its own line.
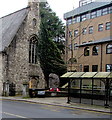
<point>58,6</point>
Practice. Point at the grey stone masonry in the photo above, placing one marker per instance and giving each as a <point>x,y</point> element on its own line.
<point>16,66</point>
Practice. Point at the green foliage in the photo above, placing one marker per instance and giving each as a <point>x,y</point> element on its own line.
<point>50,44</point>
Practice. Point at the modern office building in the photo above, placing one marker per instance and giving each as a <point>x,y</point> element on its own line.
<point>89,37</point>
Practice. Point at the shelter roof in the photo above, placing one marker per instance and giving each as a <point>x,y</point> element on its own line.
<point>67,74</point>
<point>87,75</point>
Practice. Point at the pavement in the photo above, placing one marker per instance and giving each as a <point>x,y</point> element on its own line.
<point>60,101</point>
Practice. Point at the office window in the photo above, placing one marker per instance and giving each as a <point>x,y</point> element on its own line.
<point>108,25</point>
<point>86,51</point>
<point>99,13</point>
<point>95,50</point>
<point>105,11</point>
<point>70,33</point>
<point>75,46</point>
<point>94,68</point>
<point>110,10</point>
<point>83,17</point>
<point>100,27</point>
<point>74,20</point>
<point>90,29</point>
<point>78,19</point>
<point>93,15</point>
<point>69,21</point>
<point>88,15</point>
<point>76,33</point>
<point>109,49</point>
<point>86,68</point>
<point>70,47</point>
<point>109,68</point>
<point>84,31</point>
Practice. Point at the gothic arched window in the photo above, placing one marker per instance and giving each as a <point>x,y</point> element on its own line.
<point>34,22</point>
<point>33,50</point>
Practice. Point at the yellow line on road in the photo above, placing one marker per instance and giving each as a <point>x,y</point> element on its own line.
<point>55,111</point>
<point>50,109</point>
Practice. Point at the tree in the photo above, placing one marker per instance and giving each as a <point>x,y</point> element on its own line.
<point>51,32</point>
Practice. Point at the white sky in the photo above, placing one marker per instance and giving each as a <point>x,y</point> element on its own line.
<point>58,6</point>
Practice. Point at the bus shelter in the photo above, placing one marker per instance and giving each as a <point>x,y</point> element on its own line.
<point>89,87</point>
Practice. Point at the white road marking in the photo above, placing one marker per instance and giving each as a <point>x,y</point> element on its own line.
<point>13,115</point>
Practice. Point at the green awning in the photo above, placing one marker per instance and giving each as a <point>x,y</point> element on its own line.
<point>102,75</point>
<point>76,75</point>
<point>89,75</point>
<point>66,75</point>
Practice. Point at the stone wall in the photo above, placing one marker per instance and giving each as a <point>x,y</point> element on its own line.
<point>1,75</point>
<point>18,67</point>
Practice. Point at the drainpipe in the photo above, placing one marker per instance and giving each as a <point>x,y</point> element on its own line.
<point>66,45</point>
<point>101,59</point>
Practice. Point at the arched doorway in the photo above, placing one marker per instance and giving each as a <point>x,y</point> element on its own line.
<point>33,82</point>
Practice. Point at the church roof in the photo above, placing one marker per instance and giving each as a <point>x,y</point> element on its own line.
<point>9,26</point>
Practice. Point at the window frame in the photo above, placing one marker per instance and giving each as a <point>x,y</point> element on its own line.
<point>85,68</point>
<point>69,21</point>
<point>76,32</point>
<point>108,26</point>
<point>93,14</point>
<point>109,70</point>
<point>87,50</point>
<point>100,27</point>
<point>95,53</point>
<point>70,47</point>
<point>74,20</point>
<point>83,17</point>
<point>91,30</point>
<point>70,33</point>
<point>105,11</point>
<point>75,46</point>
<point>95,68</point>
<point>110,48</point>
<point>33,42</point>
<point>84,31</point>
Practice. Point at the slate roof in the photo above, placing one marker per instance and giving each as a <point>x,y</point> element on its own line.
<point>86,8</point>
<point>9,26</point>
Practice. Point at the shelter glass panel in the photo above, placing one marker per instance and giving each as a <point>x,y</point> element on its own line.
<point>99,92</point>
<point>75,90</point>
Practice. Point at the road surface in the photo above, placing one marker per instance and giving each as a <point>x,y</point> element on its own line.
<point>28,110</point>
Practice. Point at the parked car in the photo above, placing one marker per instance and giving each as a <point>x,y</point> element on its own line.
<point>54,89</point>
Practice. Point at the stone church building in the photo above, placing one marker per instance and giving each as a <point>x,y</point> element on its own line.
<point>19,63</point>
